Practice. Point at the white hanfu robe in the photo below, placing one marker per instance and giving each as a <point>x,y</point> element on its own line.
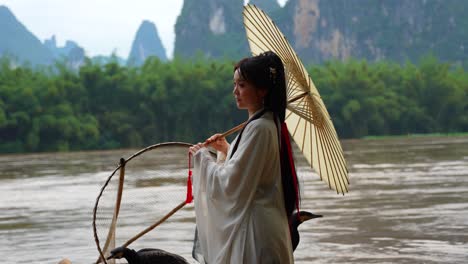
<point>239,204</point>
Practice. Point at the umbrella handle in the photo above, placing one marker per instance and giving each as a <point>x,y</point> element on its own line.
<point>234,129</point>
<point>239,127</point>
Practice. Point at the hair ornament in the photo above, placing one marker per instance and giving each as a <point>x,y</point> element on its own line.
<point>272,74</point>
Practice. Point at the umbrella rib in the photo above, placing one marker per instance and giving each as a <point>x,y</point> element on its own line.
<point>323,108</point>
<point>312,149</point>
<point>290,83</point>
<point>270,26</point>
<point>293,94</point>
<point>306,111</point>
<point>339,154</point>
<point>298,108</point>
<point>266,36</point>
<point>297,97</point>
<point>328,165</point>
<point>336,144</point>
<point>318,158</point>
<point>333,164</point>
<point>295,129</point>
<point>295,87</point>
<point>288,115</point>
<point>303,136</point>
<point>330,168</point>
<point>341,168</point>
<point>319,137</point>
<point>253,42</point>
<point>297,63</point>
<point>285,47</point>
<point>257,41</point>
<point>301,113</point>
<point>303,108</point>
<point>263,44</point>
<point>312,127</point>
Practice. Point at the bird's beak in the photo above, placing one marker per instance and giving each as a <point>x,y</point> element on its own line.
<point>110,257</point>
<point>307,216</point>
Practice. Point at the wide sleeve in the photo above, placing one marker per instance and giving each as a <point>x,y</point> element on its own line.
<point>236,179</point>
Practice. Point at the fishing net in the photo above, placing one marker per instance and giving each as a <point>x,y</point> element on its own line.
<point>143,191</point>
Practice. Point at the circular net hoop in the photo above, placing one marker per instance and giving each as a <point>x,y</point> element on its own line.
<point>140,192</point>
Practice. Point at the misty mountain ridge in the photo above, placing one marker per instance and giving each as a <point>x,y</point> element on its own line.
<point>146,43</point>
<point>18,43</point>
<point>22,46</point>
<point>71,53</point>
<point>57,51</point>
<point>318,30</point>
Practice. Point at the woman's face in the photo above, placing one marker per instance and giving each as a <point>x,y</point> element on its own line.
<point>247,96</point>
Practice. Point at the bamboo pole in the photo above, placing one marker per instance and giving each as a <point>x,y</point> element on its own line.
<point>111,233</point>
<point>154,225</point>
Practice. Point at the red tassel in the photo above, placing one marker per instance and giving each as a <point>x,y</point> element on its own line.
<point>189,198</point>
<point>285,135</point>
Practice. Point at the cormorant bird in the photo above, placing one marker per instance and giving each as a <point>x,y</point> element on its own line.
<point>296,221</point>
<point>146,256</point>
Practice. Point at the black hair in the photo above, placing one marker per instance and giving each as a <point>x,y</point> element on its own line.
<point>266,71</point>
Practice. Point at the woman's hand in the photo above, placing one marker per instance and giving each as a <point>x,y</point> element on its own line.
<point>193,149</point>
<point>218,142</point>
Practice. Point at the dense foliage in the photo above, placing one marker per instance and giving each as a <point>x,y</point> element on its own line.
<point>113,106</point>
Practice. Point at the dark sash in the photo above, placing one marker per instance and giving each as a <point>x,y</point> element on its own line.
<point>256,116</point>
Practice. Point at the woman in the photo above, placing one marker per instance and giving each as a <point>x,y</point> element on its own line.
<point>244,199</point>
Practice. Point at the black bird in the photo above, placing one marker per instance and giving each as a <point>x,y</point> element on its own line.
<point>146,256</point>
<point>296,221</point>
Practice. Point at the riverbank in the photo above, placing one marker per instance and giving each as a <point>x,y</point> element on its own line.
<point>456,134</point>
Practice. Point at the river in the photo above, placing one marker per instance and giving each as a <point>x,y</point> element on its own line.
<point>408,203</point>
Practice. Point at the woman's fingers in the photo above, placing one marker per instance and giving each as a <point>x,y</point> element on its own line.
<point>193,149</point>
<point>214,138</point>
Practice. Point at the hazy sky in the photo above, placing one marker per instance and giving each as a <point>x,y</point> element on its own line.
<point>99,26</point>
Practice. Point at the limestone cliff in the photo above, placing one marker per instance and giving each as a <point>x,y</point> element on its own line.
<point>211,27</point>
<point>321,30</point>
<point>370,29</point>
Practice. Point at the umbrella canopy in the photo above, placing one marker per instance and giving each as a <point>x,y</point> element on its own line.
<point>307,118</point>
